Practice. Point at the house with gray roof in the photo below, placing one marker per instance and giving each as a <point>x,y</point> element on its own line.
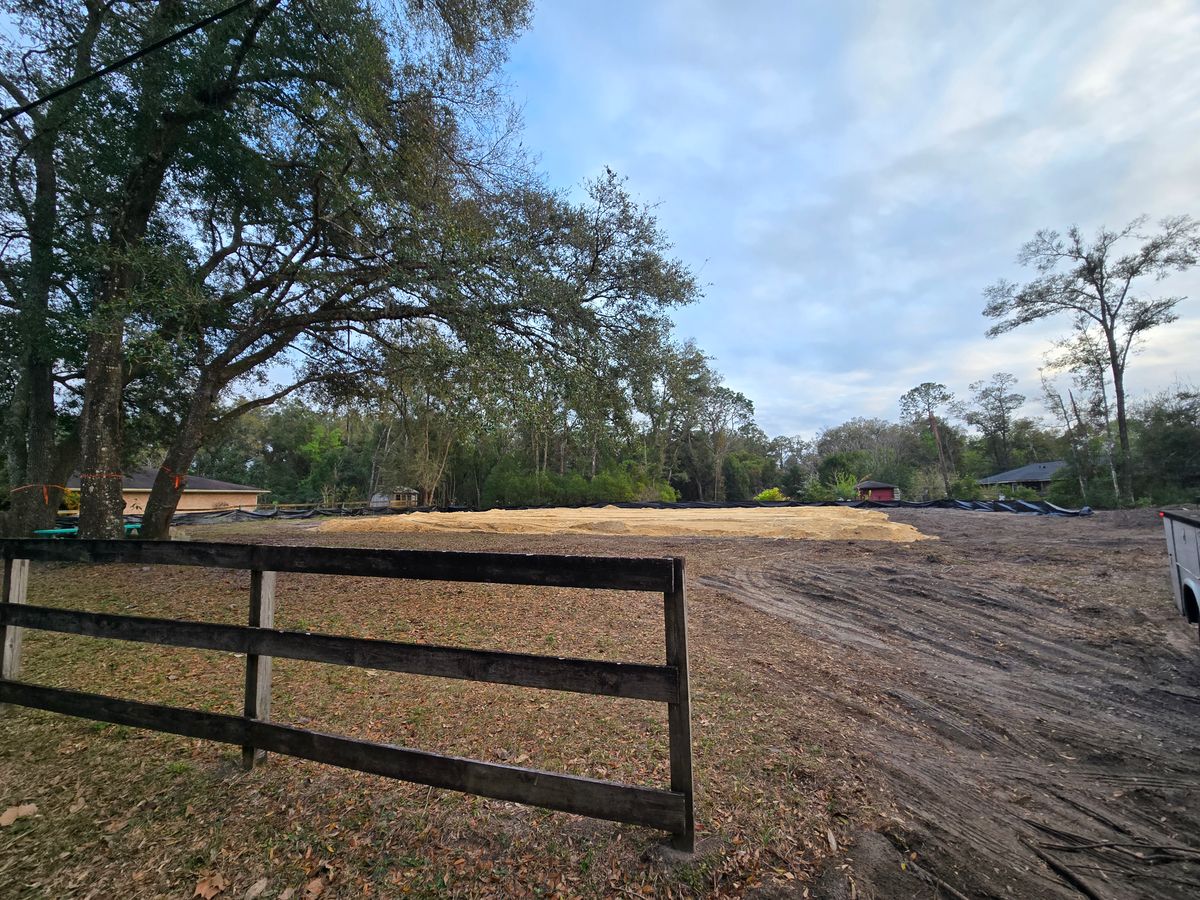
<point>1034,475</point>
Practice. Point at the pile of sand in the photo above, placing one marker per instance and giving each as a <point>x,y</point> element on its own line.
<point>814,523</point>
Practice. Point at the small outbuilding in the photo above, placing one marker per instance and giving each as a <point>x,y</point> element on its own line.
<point>200,494</point>
<point>875,490</point>
<point>1035,476</point>
<point>405,498</point>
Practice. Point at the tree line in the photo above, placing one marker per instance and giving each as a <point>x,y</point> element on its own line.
<point>535,443</point>
<point>648,419</point>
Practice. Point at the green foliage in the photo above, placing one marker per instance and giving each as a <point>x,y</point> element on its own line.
<point>1020,492</point>
<point>660,492</point>
<point>992,409</point>
<point>792,480</point>
<point>771,495</point>
<point>965,488</point>
<point>612,486</point>
<point>816,491</point>
<point>509,485</point>
<point>1168,447</point>
<point>1064,491</point>
<point>842,465</point>
<point>737,479</point>
<point>1074,282</point>
<point>843,484</point>
<point>511,430</point>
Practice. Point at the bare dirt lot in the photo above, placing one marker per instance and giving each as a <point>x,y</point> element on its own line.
<point>814,523</point>
<point>1007,711</point>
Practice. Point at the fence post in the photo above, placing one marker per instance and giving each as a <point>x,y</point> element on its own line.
<point>16,583</point>
<point>258,668</point>
<point>679,714</point>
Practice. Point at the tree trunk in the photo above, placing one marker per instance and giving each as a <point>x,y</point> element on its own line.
<point>718,468</point>
<point>34,460</point>
<point>1125,467</point>
<point>1074,444</point>
<point>157,137</point>
<point>34,503</point>
<point>171,478</point>
<point>937,439</point>
<point>101,500</point>
<point>1108,439</point>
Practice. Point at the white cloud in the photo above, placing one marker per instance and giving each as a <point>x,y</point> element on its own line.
<point>848,179</point>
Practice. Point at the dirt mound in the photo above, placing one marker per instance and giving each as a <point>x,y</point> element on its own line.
<point>802,523</point>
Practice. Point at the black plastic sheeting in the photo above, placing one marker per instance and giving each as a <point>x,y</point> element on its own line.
<point>1019,507</point>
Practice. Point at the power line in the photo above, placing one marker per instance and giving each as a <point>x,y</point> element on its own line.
<point>121,63</point>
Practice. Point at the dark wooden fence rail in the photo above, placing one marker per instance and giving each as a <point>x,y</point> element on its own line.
<point>670,810</point>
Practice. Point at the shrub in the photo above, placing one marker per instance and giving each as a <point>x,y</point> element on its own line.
<point>611,486</point>
<point>965,488</point>
<point>1064,489</point>
<point>843,484</point>
<point>569,490</point>
<point>664,492</point>
<point>771,495</point>
<point>1022,493</point>
<point>817,491</point>
<point>508,485</point>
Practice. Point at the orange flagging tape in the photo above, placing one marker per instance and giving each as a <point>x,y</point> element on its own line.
<point>177,477</point>
<point>45,490</point>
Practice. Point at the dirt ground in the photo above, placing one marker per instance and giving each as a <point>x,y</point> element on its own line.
<point>1023,688</point>
<point>1007,711</point>
<point>814,523</point>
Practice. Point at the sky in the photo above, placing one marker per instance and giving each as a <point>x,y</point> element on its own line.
<point>846,178</point>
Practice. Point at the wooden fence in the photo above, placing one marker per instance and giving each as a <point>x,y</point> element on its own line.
<point>669,810</point>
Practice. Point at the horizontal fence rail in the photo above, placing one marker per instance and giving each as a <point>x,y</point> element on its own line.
<point>586,676</point>
<point>569,793</point>
<point>670,810</point>
<point>613,572</point>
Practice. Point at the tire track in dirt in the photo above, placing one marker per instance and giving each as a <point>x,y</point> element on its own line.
<point>1035,752</point>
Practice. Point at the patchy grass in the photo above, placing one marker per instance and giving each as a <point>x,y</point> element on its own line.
<point>124,812</point>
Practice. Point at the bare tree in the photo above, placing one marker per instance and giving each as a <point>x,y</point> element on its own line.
<point>1097,286</point>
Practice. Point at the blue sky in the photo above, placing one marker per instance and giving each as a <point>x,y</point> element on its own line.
<point>847,178</point>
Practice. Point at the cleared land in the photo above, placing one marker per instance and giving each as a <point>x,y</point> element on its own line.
<point>814,523</point>
<point>1006,710</point>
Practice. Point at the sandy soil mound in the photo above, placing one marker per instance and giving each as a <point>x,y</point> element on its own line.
<point>821,523</point>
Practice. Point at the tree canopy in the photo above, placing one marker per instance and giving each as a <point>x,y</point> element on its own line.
<point>1096,286</point>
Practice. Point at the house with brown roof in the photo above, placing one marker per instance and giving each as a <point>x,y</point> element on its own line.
<point>200,494</point>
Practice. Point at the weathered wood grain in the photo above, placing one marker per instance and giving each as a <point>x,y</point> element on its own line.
<point>679,712</point>
<point>13,592</point>
<point>569,793</point>
<point>258,667</point>
<point>589,676</point>
<point>620,573</point>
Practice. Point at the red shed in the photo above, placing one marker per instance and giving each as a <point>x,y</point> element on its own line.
<point>875,490</point>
